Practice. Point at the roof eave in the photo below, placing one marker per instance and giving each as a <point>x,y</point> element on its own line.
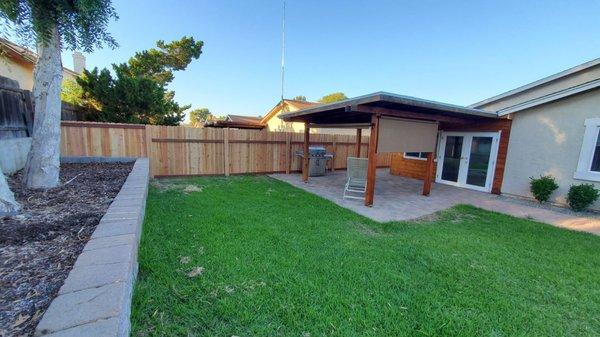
<point>537,83</point>
<point>389,97</point>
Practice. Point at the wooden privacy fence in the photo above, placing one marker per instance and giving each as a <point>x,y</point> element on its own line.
<point>183,151</point>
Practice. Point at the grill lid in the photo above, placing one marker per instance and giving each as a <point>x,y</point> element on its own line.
<point>317,151</point>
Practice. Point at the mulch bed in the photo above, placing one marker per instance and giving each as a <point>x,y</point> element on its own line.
<point>39,246</point>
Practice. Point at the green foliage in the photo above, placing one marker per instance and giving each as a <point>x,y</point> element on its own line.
<point>136,91</point>
<point>334,97</point>
<point>300,98</point>
<point>160,63</point>
<point>82,25</point>
<point>128,99</point>
<point>580,197</point>
<point>273,266</point>
<point>542,187</point>
<point>200,116</point>
<point>71,92</point>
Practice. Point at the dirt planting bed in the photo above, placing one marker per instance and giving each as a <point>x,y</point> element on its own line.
<point>39,246</point>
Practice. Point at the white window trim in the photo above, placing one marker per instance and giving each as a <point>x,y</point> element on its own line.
<point>590,137</point>
<point>412,158</point>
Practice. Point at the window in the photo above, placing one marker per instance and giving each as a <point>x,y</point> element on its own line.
<point>415,155</point>
<point>595,167</point>
<point>588,167</point>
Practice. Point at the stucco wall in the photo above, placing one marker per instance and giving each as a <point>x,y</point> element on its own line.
<point>20,72</point>
<point>547,139</point>
<point>23,72</point>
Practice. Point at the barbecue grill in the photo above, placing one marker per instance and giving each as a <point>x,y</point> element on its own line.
<point>317,160</point>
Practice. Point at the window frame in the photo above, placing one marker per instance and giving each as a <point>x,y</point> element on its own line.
<point>405,156</point>
<point>586,155</point>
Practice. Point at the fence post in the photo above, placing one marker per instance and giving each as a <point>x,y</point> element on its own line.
<point>288,152</point>
<point>148,140</point>
<point>226,150</point>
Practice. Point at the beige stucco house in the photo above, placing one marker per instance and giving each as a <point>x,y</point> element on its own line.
<point>555,130</point>
<point>17,63</point>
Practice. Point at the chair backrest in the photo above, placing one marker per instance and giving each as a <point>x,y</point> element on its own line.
<point>357,168</point>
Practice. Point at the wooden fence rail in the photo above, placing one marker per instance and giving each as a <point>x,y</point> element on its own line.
<point>186,151</point>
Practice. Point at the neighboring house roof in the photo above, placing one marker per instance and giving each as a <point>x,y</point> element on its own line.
<point>237,121</point>
<point>549,97</point>
<point>299,105</point>
<point>251,122</point>
<point>23,54</point>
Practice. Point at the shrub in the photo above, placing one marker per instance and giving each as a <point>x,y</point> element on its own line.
<point>542,187</point>
<point>582,196</point>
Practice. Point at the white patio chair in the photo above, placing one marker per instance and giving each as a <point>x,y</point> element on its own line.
<point>356,178</point>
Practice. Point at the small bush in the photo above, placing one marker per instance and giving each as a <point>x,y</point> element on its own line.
<point>582,196</point>
<point>542,187</point>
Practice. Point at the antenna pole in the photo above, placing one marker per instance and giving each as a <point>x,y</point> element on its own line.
<point>283,52</point>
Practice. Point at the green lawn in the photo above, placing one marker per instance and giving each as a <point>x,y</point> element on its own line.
<point>278,261</point>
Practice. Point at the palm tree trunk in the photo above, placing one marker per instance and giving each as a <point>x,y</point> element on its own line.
<point>43,162</point>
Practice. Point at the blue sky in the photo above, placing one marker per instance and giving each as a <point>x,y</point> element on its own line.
<point>452,51</point>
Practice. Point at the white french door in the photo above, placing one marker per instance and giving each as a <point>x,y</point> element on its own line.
<point>467,159</point>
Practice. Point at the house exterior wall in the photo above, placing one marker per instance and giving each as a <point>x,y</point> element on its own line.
<point>547,139</point>
<point>563,83</point>
<point>415,168</point>
<point>22,72</point>
<point>276,124</point>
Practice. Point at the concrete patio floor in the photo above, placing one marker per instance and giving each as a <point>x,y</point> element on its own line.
<point>399,198</point>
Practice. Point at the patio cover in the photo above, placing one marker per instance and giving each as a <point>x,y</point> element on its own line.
<point>398,124</point>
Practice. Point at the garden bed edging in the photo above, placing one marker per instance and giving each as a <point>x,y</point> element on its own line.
<point>95,299</point>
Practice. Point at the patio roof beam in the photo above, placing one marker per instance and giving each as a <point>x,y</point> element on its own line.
<point>340,126</point>
<point>407,114</point>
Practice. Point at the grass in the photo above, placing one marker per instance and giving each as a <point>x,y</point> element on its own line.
<point>278,261</point>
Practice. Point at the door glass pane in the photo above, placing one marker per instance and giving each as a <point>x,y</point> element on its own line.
<point>452,154</point>
<point>479,160</point>
<point>596,158</point>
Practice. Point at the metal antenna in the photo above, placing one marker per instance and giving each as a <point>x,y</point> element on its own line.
<point>283,53</point>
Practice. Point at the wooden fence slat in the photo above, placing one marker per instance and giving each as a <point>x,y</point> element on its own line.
<point>183,151</point>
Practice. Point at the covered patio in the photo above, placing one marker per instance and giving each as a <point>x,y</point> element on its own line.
<point>402,124</point>
<point>398,199</point>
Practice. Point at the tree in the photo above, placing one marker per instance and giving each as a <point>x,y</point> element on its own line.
<point>333,97</point>
<point>199,116</point>
<point>8,204</point>
<point>300,98</point>
<point>76,25</point>
<point>137,92</point>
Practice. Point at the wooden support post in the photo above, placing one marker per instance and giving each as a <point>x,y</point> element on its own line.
<point>428,174</point>
<point>288,152</point>
<point>226,150</point>
<point>372,166</point>
<point>334,152</point>
<point>358,142</point>
<point>305,150</point>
